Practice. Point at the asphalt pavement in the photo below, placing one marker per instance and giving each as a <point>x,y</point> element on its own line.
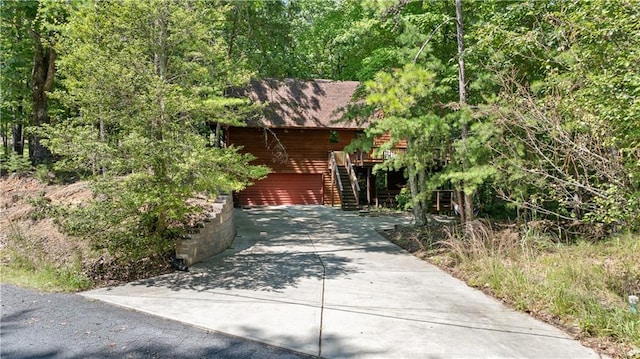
<point>46,325</point>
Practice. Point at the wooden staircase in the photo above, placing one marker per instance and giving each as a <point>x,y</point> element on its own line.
<point>347,197</point>
<point>346,179</point>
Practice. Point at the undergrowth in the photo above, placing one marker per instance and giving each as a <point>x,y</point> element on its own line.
<point>582,286</point>
<point>25,263</point>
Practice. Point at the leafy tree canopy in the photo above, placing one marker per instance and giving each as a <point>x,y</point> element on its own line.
<point>143,81</point>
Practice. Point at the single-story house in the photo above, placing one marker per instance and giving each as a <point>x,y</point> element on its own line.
<point>300,136</point>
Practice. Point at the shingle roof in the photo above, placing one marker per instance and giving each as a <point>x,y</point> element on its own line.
<point>303,104</point>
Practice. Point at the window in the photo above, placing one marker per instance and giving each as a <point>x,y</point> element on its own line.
<point>334,137</point>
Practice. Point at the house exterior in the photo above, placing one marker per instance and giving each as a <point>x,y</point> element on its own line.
<point>301,137</point>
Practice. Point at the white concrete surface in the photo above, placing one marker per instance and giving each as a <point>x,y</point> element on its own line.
<point>323,282</point>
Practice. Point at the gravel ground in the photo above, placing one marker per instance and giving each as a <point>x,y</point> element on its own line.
<point>54,325</point>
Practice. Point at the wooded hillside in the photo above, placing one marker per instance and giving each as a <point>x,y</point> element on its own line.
<point>529,111</point>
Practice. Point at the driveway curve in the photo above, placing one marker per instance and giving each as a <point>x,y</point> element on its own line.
<point>323,282</point>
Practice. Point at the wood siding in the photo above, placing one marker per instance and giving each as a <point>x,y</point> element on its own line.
<point>380,140</point>
<point>306,151</point>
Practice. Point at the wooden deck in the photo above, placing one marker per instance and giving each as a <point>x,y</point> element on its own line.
<point>368,158</point>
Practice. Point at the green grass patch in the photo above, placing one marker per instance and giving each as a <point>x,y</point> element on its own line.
<point>46,278</point>
<point>26,263</point>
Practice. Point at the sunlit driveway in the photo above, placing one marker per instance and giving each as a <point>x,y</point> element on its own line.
<point>322,281</point>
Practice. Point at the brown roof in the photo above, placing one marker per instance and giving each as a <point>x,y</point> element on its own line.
<point>303,104</point>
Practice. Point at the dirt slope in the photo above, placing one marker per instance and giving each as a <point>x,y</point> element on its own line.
<point>19,220</point>
<point>26,233</point>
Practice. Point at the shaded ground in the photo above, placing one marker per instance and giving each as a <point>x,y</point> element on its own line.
<point>41,236</point>
<point>321,281</point>
<point>36,325</point>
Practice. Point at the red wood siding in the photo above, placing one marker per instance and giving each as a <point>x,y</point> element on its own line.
<point>306,152</point>
<point>380,140</point>
<point>283,188</point>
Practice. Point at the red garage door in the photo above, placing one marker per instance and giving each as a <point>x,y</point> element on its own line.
<point>283,188</point>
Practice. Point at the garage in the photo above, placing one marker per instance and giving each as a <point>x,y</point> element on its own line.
<point>283,188</point>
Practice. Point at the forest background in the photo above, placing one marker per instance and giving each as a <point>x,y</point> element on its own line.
<point>528,109</point>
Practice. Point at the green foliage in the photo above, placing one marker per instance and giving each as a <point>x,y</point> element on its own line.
<point>410,99</point>
<point>259,33</point>
<point>28,65</point>
<point>551,97</point>
<point>42,207</point>
<point>16,56</point>
<point>566,86</point>
<point>341,40</point>
<point>403,199</point>
<point>42,172</point>
<point>14,163</point>
<point>112,224</point>
<point>144,79</point>
<point>44,277</point>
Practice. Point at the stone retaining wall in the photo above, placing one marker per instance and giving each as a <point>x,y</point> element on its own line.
<point>214,235</point>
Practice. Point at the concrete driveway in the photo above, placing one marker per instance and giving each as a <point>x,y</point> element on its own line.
<point>323,282</point>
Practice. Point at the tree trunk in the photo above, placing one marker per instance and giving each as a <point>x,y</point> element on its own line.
<point>466,199</point>
<point>16,134</point>
<point>161,58</point>
<point>218,134</point>
<point>459,204</point>
<point>5,138</point>
<point>422,180</point>
<point>234,30</point>
<point>16,131</point>
<point>103,138</point>
<point>418,212</point>
<point>413,186</point>
<point>41,82</point>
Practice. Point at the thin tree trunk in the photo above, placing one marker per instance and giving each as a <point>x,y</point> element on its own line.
<point>42,82</point>
<point>413,186</point>
<point>459,202</point>
<point>161,62</point>
<point>422,180</point>
<point>232,40</point>
<point>16,136</point>
<point>103,138</point>
<point>218,134</point>
<point>466,199</point>
<point>234,30</point>
<point>5,138</point>
<point>418,212</point>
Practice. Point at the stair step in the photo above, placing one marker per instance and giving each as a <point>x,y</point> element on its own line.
<point>349,200</point>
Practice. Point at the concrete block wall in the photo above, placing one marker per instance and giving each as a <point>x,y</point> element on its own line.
<point>213,236</point>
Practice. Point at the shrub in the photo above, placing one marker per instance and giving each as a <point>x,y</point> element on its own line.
<point>14,163</point>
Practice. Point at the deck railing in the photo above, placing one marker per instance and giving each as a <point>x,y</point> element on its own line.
<point>359,158</point>
<point>333,166</point>
<point>442,201</point>
<point>355,187</point>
